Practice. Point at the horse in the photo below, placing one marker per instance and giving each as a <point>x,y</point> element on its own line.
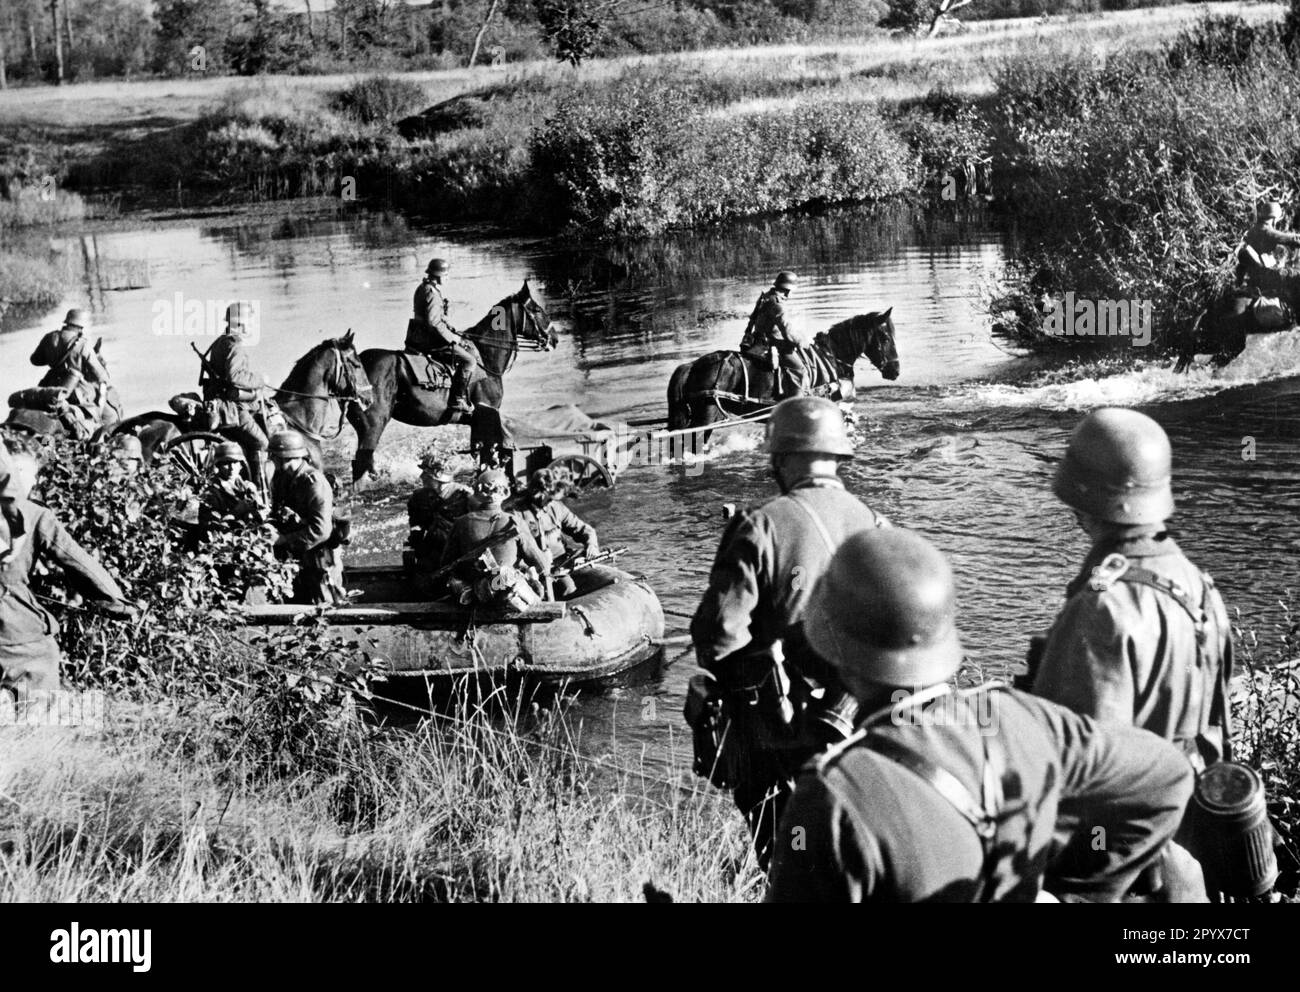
<point>330,371</point>
<point>698,389</point>
<point>400,395</point>
<point>1221,329</point>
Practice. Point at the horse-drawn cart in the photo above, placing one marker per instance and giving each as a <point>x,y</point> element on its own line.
<point>559,437</point>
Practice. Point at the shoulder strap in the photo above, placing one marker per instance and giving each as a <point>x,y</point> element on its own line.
<point>831,546</point>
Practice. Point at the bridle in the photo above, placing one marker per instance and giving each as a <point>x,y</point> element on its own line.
<point>518,315</point>
<point>341,385</point>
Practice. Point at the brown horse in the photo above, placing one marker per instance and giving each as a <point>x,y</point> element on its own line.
<point>400,395</point>
<point>723,384</point>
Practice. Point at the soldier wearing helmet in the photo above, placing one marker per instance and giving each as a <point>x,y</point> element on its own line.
<point>430,333</point>
<point>29,532</point>
<point>230,390</point>
<point>769,559</point>
<point>551,522</point>
<point>230,497</point>
<point>770,326</point>
<point>490,527</point>
<point>1144,637</point>
<point>1259,247</point>
<point>434,508</point>
<point>302,508</point>
<point>957,796</point>
<point>74,364</point>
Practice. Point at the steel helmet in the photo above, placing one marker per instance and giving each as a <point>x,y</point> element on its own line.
<point>1269,210</point>
<point>229,451</point>
<point>288,444</point>
<point>183,404</point>
<point>436,266</point>
<point>553,483</point>
<point>885,610</point>
<point>1117,468</point>
<point>238,315</point>
<point>785,279</point>
<point>808,424</point>
<point>128,446</point>
<point>77,317</point>
<point>492,482</point>
<point>436,466</point>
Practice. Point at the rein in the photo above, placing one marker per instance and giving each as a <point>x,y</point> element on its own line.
<point>344,400</point>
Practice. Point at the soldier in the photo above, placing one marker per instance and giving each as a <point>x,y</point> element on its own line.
<point>302,508</point>
<point>75,365</point>
<point>429,333</point>
<point>1144,637</point>
<point>230,391</point>
<point>550,521</point>
<point>229,496</point>
<point>489,520</point>
<point>29,649</point>
<point>770,327</point>
<point>1259,246</point>
<point>957,796</point>
<point>434,508</point>
<point>769,559</point>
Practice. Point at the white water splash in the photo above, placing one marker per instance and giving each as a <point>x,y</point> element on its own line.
<point>1266,357</point>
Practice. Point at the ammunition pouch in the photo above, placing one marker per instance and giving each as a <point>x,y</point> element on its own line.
<point>706,712</point>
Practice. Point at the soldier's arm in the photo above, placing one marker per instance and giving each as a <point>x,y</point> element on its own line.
<point>786,324</point>
<point>239,371</point>
<point>817,856</point>
<point>87,575</point>
<point>1090,657</point>
<point>529,549</point>
<point>573,526</point>
<point>315,523</point>
<point>721,624</point>
<point>1123,794</point>
<point>1276,238</point>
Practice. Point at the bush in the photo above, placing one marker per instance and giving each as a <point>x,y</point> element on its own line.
<point>379,99</point>
<point>1224,41</point>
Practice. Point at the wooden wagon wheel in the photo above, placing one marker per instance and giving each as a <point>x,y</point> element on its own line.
<point>588,474</point>
<point>195,454</point>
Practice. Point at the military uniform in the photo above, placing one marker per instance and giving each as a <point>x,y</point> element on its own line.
<point>306,530</point>
<point>771,327</point>
<point>432,513</point>
<point>553,522</point>
<point>75,366</point>
<point>29,650</point>
<point>235,499</point>
<point>766,566</point>
<point>230,395</point>
<point>479,525</point>
<point>1263,239</point>
<point>430,333</point>
<point>866,824</point>
<point>1127,651</point>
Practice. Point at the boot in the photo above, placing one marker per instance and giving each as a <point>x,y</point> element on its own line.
<point>459,402</point>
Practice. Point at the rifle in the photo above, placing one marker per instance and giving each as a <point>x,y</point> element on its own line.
<point>475,550</point>
<point>581,563</point>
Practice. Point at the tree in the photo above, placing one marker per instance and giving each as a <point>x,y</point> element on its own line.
<point>913,16</point>
<point>478,38</point>
<point>573,28</point>
<point>58,43</point>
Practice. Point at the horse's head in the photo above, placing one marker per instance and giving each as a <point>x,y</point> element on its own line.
<point>348,382</point>
<point>537,325</point>
<point>878,343</point>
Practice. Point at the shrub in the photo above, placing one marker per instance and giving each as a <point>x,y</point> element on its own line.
<point>377,99</point>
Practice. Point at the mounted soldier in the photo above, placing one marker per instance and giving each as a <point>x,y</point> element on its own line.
<point>302,509</point>
<point>75,366</point>
<point>769,559</point>
<point>434,508</point>
<point>943,795</point>
<point>497,576</point>
<point>770,326</point>
<point>230,391</point>
<point>1258,249</point>
<point>1144,637</point>
<point>429,333</point>
<point>550,521</point>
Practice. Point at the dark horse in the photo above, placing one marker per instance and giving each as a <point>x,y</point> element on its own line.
<point>698,390</point>
<point>330,372</point>
<point>400,395</point>
<point>1222,328</point>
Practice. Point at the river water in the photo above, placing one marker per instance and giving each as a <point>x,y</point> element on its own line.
<point>954,448</point>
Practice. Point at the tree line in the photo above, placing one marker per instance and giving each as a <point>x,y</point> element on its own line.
<point>56,41</point>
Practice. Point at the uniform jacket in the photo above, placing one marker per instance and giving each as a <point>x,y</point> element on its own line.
<point>766,566</point>
<point>73,364</point>
<point>772,325</point>
<point>29,530</point>
<point>555,519</point>
<point>479,525</point>
<point>1128,653</point>
<point>437,509</point>
<point>875,831</point>
<point>229,388</point>
<point>236,498</point>
<point>306,492</point>
<point>1265,238</point>
<point>429,328</point>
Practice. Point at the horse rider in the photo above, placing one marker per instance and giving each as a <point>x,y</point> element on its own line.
<point>302,509</point>
<point>434,508</point>
<point>1258,248</point>
<point>29,648</point>
<point>74,365</point>
<point>944,795</point>
<point>509,545</point>
<point>769,559</point>
<point>229,495</point>
<point>1144,637</point>
<point>770,326</point>
<point>550,521</point>
<point>430,333</point>
<point>230,391</point>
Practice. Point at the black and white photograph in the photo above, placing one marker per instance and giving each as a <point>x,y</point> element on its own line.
<point>649,452</point>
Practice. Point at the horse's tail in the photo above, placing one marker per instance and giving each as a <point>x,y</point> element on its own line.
<point>679,409</point>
